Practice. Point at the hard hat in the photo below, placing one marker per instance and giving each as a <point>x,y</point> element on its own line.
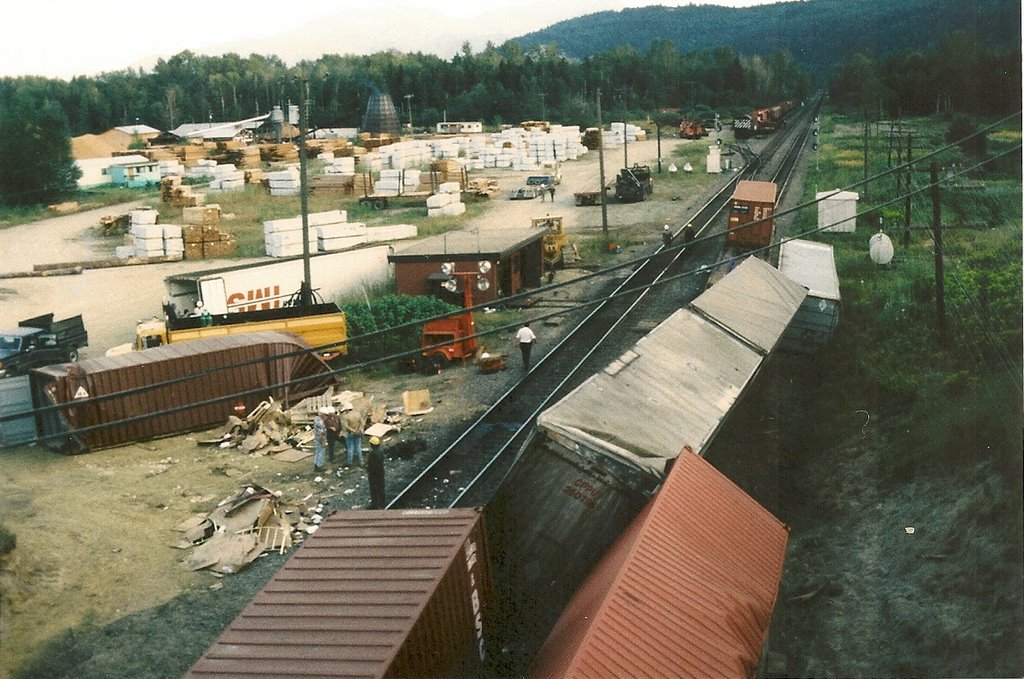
<point>666,227</point>
<point>690,225</point>
<point>374,441</point>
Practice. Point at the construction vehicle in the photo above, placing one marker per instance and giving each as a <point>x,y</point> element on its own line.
<point>41,341</point>
<point>556,246</point>
<point>445,340</point>
<point>634,184</point>
<point>691,129</point>
<point>320,325</point>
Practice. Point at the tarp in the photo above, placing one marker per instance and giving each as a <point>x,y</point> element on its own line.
<point>755,301</point>
<point>674,388</point>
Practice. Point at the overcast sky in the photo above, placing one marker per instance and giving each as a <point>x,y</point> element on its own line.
<point>64,38</point>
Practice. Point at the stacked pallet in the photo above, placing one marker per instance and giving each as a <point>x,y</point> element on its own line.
<point>239,154</point>
<point>332,185</point>
<point>362,184</point>
<point>189,154</point>
<point>447,202</point>
<point>170,167</point>
<point>283,237</point>
<point>147,238</point>
<point>202,236</point>
<point>174,192</point>
<point>284,182</point>
<point>227,177</point>
<point>279,153</point>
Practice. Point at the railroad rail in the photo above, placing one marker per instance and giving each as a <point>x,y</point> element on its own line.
<point>483,454</point>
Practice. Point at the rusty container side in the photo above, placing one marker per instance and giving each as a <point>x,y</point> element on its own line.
<point>752,201</point>
<point>166,379</point>
<point>371,594</point>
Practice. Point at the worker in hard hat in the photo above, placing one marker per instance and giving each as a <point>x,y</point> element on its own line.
<point>688,233</point>
<point>666,236</point>
<point>375,473</point>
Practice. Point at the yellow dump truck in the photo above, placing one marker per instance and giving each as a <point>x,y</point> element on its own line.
<point>321,325</point>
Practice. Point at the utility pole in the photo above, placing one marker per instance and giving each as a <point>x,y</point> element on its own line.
<point>408,103</point>
<point>625,144</point>
<point>940,293</point>
<point>906,202</point>
<point>307,279</point>
<point>657,126</point>
<point>600,159</point>
<point>867,131</point>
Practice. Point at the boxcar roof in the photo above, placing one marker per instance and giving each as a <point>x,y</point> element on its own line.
<point>812,265</point>
<point>485,243</point>
<point>688,589</point>
<point>755,192</point>
<point>755,301</point>
<point>347,600</point>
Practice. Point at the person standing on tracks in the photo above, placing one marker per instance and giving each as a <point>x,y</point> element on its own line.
<point>551,190</point>
<point>666,236</point>
<point>525,339</point>
<point>319,440</point>
<point>688,233</point>
<point>354,425</point>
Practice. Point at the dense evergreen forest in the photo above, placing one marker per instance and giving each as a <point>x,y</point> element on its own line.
<point>962,75</point>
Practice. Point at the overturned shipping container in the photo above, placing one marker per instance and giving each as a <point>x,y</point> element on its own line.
<point>687,591</point>
<point>171,389</point>
<point>600,453</point>
<point>371,594</point>
<point>812,265</point>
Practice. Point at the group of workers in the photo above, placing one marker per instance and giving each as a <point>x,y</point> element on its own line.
<point>328,425</point>
<point>688,234</point>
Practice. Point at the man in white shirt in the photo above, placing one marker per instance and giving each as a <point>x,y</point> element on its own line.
<point>525,339</point>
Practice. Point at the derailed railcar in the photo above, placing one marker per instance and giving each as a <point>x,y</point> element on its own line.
<point>383,594</point>
<point>600,453</point>
<point>171,389</point>
<point>688,589</point>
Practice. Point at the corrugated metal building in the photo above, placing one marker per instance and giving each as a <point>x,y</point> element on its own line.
<point>687,591</point>
<point>370,594</point>
<point>516,256</point>
<point>172,389</point>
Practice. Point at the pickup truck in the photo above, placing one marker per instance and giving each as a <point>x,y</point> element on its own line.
<point>41,341</point>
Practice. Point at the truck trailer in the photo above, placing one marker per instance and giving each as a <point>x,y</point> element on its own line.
<point>273,284</point>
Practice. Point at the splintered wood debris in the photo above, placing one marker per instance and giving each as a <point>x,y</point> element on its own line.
<point>244,526</point>
<point>287,435</point>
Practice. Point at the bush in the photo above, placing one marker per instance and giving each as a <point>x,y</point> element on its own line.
<point>8,541</point>
<point>384,313</point>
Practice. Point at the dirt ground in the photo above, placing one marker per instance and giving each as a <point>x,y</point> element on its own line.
<point>94,532</point>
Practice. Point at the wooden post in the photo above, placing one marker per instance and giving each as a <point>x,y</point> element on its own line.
<point>600,158</point>
<point>307,283</point>
<point>906,202</point>
<point>940,294</point>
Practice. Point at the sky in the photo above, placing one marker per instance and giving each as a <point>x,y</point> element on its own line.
<point>65,38</point>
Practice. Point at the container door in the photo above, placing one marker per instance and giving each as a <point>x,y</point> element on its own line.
<point>214,295</point>
<point>16,397</point>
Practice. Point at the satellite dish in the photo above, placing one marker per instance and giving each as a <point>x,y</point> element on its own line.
<point>880,248</point>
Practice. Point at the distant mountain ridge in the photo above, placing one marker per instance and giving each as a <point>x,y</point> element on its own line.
<point>818,33</point>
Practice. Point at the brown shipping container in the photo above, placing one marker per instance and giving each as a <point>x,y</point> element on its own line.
<point>370,594</point>
<point>258,361</point>
<point>687,591</point>
<point>752,201</point>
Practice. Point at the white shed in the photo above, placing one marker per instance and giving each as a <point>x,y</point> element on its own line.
<point>714,159</point>
<point>837,210</point>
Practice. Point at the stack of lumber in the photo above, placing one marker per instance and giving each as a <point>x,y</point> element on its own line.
<point>174,192</point>
<point>279,153</point>
<point>202,236</point>
<point>482,186</point>
<point>332,185</point>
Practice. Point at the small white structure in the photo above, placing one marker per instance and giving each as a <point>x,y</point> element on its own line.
<point>837,210</point>
<point>714,159</point>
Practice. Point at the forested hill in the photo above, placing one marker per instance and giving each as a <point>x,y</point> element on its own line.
<point>818,33</point>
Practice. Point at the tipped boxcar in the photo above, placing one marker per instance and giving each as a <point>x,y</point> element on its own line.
<point>751,225</point>
<point>175,388</point>
<point>380,594</point>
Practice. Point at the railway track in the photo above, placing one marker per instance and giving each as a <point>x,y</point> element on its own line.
<point>470,469</point>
